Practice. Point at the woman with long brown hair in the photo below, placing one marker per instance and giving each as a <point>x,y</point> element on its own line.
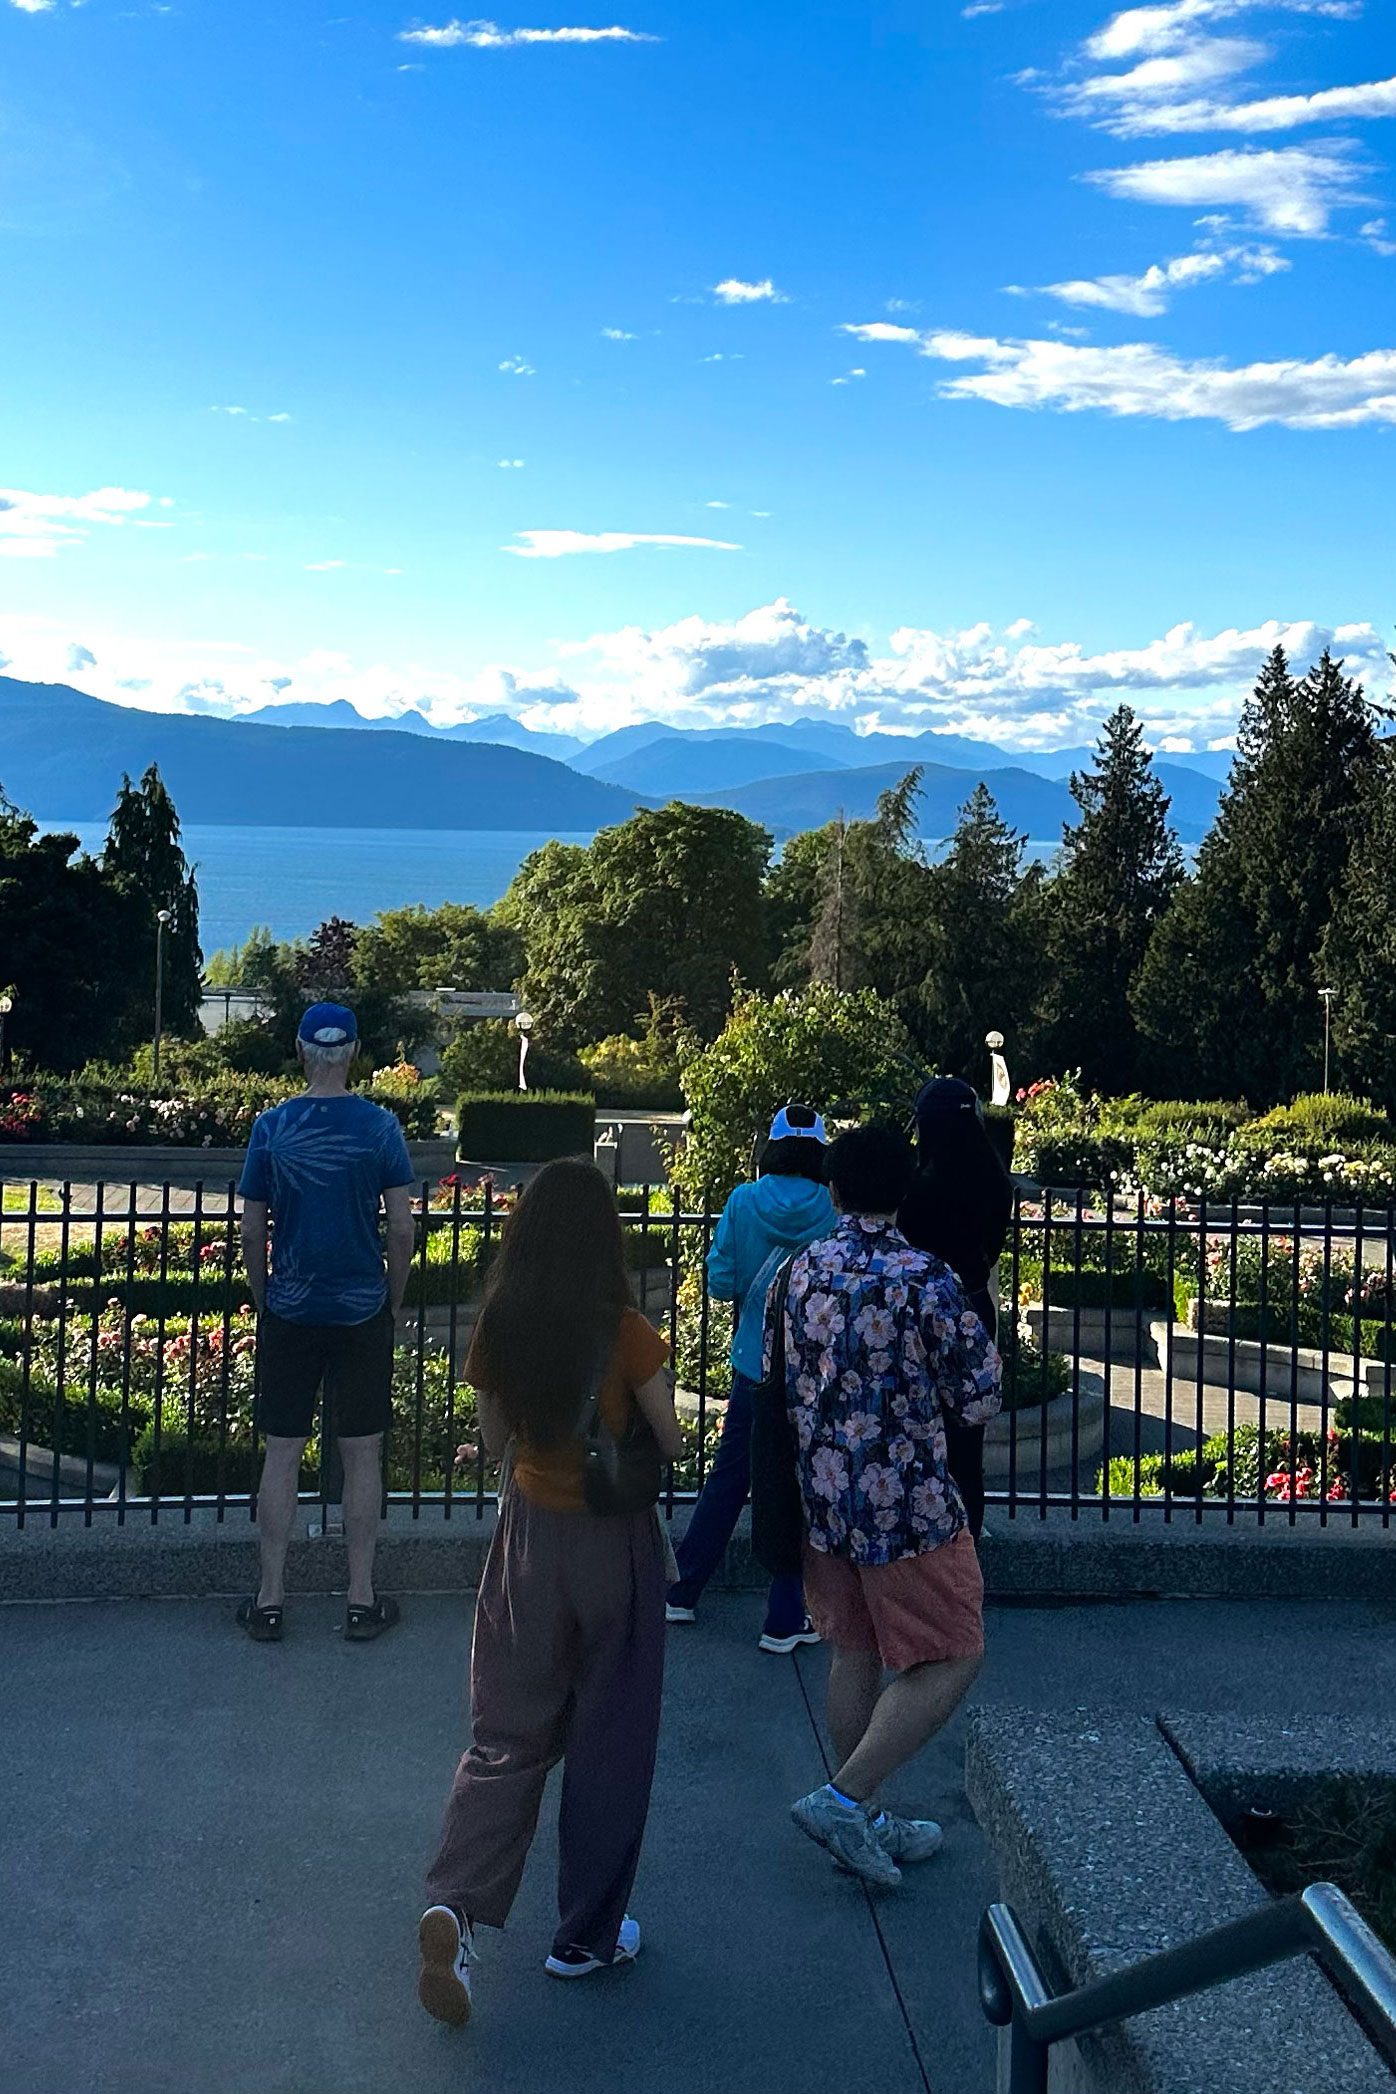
<point>568,1653</point>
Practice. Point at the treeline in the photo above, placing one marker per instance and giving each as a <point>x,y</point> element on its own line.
<point>78,933</point>
<point>1116,960</point>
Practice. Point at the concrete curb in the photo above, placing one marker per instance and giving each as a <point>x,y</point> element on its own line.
<point>1025,1560</point>
<point>1108,1854</point>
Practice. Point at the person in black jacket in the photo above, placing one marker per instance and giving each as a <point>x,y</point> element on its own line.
<point>959,1207</point>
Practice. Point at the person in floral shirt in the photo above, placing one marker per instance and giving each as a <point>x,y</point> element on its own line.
<point>880,1347</point>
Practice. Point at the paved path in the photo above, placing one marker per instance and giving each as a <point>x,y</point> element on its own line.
<point>212,1854</point>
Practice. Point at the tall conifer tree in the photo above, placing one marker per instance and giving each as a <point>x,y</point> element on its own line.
<point>1120,868</point>
<point>146,861</point>
<point>1228,994</point>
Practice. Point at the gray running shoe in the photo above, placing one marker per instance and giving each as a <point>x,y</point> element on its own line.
<point>848,1835</point>
<point>909,1839</point>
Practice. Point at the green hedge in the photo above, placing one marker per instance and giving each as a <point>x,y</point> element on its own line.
<point>524,1126</point>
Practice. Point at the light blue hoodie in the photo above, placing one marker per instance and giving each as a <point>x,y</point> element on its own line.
<point>763,1223</point>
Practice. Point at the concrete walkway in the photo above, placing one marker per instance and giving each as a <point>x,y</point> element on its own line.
<point>212,1854</point>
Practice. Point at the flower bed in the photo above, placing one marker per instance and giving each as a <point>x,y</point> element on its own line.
<point>1286,1468</point>
<point>218,1115</point>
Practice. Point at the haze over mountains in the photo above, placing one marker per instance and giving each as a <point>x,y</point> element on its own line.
<point>62,754</point>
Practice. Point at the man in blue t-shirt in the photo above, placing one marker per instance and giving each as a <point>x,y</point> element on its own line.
<point>318,1168</point>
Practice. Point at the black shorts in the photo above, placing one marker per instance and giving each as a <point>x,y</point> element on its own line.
<point>353,1360</point>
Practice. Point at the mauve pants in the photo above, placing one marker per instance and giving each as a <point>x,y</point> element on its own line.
<point>567,1664</point>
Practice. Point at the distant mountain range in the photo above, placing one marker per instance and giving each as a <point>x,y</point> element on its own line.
<point>338,712</point>
<point>62,755</point>
<point>298,765</point>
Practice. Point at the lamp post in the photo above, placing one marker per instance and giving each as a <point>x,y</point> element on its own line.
<point>162,918</point>
<point>7,1004</point>
<point>523,1025</point>
<point>1327,995</point>
<point>1000,1091</point>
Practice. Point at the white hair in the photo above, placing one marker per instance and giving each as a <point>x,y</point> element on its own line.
<point>320,1055</point>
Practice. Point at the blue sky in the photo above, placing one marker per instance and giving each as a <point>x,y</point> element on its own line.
<point>1011,358</point>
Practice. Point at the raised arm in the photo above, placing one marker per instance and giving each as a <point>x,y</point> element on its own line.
<point>254,1250</point>
<point>397,1204</point>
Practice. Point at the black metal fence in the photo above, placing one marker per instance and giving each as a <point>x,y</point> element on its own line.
<point>1172,1359</point>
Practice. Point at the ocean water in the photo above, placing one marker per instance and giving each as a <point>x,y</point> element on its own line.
<point>293,879</point>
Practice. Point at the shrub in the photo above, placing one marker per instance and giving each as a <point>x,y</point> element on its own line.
<point>1323,1120</point>
<point>525,1126</point>
<point>636,1073</point>
<point>485,1057</point>
<point>844,1051</point>
<point>106,1108</point>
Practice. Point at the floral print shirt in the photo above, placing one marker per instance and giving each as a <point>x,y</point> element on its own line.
<point>880,1344</point>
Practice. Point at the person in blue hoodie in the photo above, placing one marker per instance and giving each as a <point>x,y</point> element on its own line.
<point>764,1223</point>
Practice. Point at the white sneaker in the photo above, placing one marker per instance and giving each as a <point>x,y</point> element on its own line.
<point>672,1613</point>
<point>579,1963</point>
<point>783,1645</point>
<point>908,1839</point>
<point>448,1950</point>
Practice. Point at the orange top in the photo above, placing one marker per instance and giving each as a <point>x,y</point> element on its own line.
<point>552,1476</point>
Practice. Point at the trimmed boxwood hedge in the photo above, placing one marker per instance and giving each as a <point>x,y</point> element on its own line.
<point>524,1126</point>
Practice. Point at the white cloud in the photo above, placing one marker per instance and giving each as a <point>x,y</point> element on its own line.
<point>511,464</point>
<point>617,334</point>
<point>981,7</point>
<point>39,526</point>
<point>321,566</point>
<point>1293,189</point>
<point>278,418</point>
<point>553,545</point>
<point>488,36</point>
<point>1369,98</point>
<point>880,331</point>
<point>717,505</point>
<point>1144,29</point>
<point>517,368</point>
<point>1139,378</point>
<point>1148,294</point>
<point>773,663</point>
<point>1374,232</point>
<point>733,291</point>
<point>33,7</point>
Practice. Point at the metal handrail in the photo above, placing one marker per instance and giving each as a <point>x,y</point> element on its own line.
<point>1318,1922</point>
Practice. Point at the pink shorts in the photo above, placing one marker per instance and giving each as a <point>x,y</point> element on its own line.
<point>920,1610</point>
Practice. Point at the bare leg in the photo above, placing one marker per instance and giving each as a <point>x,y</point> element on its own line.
<point>276,1514</point>
<point>911,1708</point>
<point>855,1681</point>
<point>363,1500</point>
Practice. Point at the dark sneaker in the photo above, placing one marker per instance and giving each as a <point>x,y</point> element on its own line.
<point>362,1624</point>
<point>847,1831</point>
<point>580,1963</point>
<point>447,1954</point>
<point>263,1624</point>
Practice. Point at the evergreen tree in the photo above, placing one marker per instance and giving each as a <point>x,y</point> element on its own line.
<point>1358,954</point>
<point>144,858</point>
<point>1228,995</point>
<point>65,930</point>
<point>982,943</point>
<point>1119,870</point>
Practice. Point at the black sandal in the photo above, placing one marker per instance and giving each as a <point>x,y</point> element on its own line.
<point>362,1624</point>
<point>263,1624</point>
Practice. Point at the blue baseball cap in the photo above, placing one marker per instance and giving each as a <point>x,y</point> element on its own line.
<point>328,1025</point>
<point>782,1130</point>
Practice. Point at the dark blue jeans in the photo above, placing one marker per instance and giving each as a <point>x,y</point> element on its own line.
<point>716,1514</point>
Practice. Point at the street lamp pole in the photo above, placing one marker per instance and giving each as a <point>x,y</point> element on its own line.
<point>1327,996</point>
<point>7,1004</point>
<point>162,917</point>
<point>523,1025</point>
